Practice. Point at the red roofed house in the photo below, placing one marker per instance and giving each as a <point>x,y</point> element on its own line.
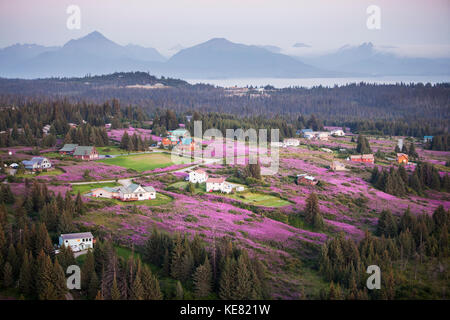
<point>366,158</point>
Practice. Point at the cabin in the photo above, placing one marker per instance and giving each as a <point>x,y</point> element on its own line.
<point>306,179</point>
<point>365,158</point>
<point>402,158</point>
<point>77,241</point>
<point>218,184</point>
<point>198,176</point>
<point>85,153</point>
<point>132,192</point>
<point>37,164</point>
<point>337,166</point>
<point>108,125</point>
<point>427,139</point>
<point>68,149</point>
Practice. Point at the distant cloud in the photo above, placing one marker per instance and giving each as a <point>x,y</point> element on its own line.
<point>301,45</point>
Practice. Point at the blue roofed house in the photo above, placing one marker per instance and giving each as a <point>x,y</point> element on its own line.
<point>427,139</point>
<point>37,164</point>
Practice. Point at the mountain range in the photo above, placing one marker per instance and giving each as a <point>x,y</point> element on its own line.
<point>217,58</point>
<point>366,59</point>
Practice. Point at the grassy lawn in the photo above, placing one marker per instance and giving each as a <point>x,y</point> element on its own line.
<point>259,199</point>
<point>84,188</point>
<point>54,172</point>
<point>141,162</point>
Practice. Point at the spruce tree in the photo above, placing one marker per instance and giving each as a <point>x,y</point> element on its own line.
<point>202,279</point>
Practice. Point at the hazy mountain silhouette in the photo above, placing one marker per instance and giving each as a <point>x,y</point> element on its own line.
<point>92,54</point>
<point>365,59</point>
<point>217,58</point>
<point>221,58</point>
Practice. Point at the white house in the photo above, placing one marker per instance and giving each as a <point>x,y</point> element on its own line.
<point>337,166</point>
<point>198,175</point>
<point>218,184</point>
<point>37,163</point>
<point>46,129</point>
<point>132,192</point>
<point>291,142</point>
<point>338,133</point>
<point>77,241</point>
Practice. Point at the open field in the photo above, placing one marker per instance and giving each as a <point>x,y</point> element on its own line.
<point>85,188</point>
<point>141,162</point>
<point>259,199</point>
<point>111,150</point>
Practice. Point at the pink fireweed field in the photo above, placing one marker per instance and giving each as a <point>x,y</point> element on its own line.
<point>116,134</point>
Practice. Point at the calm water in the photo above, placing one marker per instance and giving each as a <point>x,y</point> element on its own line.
<point>311,82</point>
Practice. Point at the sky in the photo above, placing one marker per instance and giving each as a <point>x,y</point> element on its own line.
<point>408,27</point>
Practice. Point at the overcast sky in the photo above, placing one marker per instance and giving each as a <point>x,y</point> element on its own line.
<point>414,27</point>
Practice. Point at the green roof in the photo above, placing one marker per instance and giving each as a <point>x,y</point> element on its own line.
<point>83,151</point>
<point>68,147</point>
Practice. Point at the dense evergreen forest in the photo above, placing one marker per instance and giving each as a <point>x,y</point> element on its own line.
<point>29,228</point>
<point>402,109</point>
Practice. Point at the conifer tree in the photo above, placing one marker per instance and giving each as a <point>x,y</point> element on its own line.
<point>312,211</point>
<point>202,279</point>
<point>179,292</point>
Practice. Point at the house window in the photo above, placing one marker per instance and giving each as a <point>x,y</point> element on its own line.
<point>67,241</point>
<point>140,195</point>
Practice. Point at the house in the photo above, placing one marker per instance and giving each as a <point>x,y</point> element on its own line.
<point>108,126</point>
<point>132,192</point>
<point>77,241</point>
<point>306,179</point>
<point>402,158</point>
<point>337,166</point>
<point>427,139</point>
<point>276,144</point>
<point>338,133</point>
<point>366,158</point>
<point>14,165</point>
<point>85,153</point>
<point>72,125</point>
<point>170,141</point>
<point>46,129</point>
<point>326,150</point>
<point>291,142</point>
<point>322,135</point>
<point>198,175</point>
<point>68,149</point>
<point>37,164</point>
<point>218,184</point>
